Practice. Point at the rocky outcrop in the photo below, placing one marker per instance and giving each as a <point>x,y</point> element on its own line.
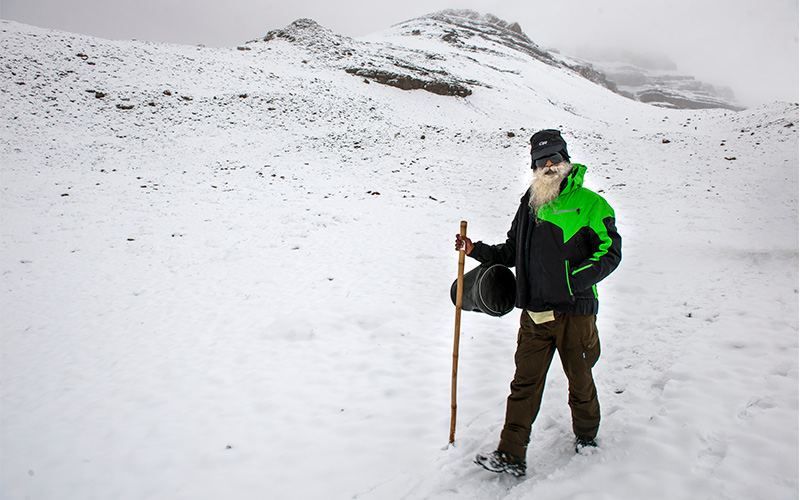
<point>316,38</point>
<point>407,82</point>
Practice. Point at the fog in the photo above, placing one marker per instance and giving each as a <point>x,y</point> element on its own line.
<point>747,46</point>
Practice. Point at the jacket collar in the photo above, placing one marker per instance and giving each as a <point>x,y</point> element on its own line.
<point>574,179</point>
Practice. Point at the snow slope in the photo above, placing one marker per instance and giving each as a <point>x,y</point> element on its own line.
<point>239,287</point>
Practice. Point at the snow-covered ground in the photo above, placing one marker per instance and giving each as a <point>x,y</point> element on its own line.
<point>239,288</point>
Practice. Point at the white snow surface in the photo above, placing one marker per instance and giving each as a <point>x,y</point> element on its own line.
<point>241,290</point>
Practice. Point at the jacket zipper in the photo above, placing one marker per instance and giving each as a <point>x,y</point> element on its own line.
<point>578,210</point>
<point>566,268</point>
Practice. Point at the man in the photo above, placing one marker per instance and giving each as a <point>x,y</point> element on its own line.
<point>563,241</point>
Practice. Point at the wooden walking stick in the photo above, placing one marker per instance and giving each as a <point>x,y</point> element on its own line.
<point>457,336</point>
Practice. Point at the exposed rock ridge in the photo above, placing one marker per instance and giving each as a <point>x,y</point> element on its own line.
<point>659,85</point>
<point>491,28</point>
<point>461,25</point>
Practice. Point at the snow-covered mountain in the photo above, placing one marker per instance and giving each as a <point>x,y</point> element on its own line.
<point>226,272</point>
<point>466,32</point>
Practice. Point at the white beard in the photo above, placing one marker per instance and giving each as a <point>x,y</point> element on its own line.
<point>546,187</point>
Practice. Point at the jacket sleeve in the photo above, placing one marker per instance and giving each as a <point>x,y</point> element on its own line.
<point>607,244</point>
<point>504,253</point>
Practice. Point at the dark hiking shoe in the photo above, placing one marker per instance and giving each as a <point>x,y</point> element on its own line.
<point>499,461</point>
<point>584,442</point>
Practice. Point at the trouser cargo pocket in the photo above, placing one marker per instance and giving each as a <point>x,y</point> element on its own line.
<point>591,346</point>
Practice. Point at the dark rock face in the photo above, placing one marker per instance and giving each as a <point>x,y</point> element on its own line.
<point>407,82</point>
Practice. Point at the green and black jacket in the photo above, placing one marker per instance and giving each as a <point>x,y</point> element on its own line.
<point>561,259</point>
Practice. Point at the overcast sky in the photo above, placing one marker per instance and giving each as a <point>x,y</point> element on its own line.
<point>748,45</point>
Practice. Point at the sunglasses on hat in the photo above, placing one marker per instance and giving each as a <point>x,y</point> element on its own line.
<point>554,159</point>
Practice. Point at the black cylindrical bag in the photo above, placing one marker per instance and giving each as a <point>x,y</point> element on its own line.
<point>489,288</point>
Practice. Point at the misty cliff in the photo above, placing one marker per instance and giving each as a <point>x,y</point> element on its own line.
<point>654,79</point>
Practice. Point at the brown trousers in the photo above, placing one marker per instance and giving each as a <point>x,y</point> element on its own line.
<point>575,338</point>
